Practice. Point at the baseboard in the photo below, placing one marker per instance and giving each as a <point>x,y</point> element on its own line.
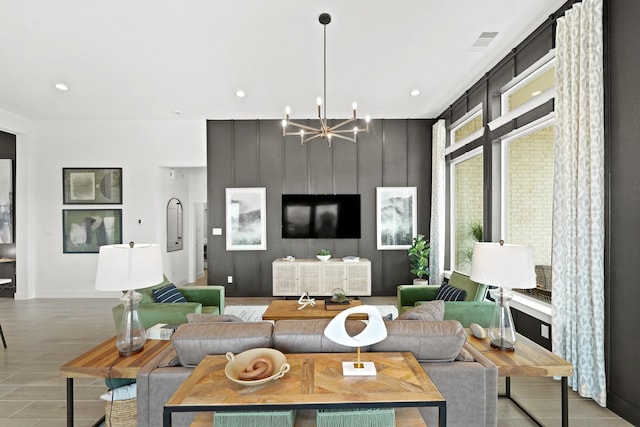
<point>623,408</point>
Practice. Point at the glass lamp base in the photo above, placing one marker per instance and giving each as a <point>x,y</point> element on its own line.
<point>127,353</point>
<point>131,336</point>
<point>502,331</point>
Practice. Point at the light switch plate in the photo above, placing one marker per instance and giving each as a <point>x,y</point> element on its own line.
<point>216,231</point>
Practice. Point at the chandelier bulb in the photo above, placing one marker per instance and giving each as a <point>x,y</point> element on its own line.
<point>284,123</point>
<point>367,118</point>
<point>287,110</point>
<point>354,105</point>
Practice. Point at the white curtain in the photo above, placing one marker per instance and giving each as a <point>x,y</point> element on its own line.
<point>437,230</point>
<point>578,211</point>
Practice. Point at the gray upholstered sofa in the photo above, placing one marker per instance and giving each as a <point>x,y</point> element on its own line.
<point>469,384</point>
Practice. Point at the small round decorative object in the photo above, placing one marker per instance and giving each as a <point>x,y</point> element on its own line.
<point>256,366</point>
<point>323,257</point>
<point>338,294</point>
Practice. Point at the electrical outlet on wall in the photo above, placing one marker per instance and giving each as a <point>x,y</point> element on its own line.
<point>544,331</point>
<point>229,279</point>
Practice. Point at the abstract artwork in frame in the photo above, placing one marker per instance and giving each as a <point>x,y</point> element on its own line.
<point>85,230</point>
<point>246,212</point>
<point>98,186</point>
<point>396,217</point>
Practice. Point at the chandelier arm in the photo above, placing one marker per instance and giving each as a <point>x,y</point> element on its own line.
<point>339,125</point>
<point>301,126</point>
<point>311,138</point>
<point>346,138</point>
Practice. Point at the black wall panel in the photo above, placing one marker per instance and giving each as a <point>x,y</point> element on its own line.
<point>622,129</point>
<point>253,153</point>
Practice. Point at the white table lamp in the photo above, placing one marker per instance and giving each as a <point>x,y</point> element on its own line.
<point>125,268</point>
<point>374,332</point>
<point>505,266</point>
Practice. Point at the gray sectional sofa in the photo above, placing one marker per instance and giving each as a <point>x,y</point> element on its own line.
<point>469,383</point>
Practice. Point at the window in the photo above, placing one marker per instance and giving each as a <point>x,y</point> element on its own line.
<point>530,87</point>
<point>528,189</point>
<point>466,207</point>
<point>466,129</point>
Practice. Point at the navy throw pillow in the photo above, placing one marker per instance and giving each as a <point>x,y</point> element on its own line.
<point>449,293</point>
<point>168,294</point>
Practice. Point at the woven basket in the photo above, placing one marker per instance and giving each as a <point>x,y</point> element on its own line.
<point>123,413</point>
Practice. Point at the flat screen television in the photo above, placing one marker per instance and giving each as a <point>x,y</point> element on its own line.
<point>320,216</point>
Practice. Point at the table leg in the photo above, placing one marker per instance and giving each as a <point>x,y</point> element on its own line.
<point>69,402</point>
<point>443,414</point>
<point>4,342</point>
<point>166,418</point>
<point>565,402</point>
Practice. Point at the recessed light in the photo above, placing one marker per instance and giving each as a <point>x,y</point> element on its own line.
<point>61,86</point>
<point>177,112</point>
<point>415,92</point>
<point>240,94</point>
<point>536,93</point>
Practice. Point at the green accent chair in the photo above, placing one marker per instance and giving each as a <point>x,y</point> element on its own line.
<point>200,299</point>
<point>474,308</point>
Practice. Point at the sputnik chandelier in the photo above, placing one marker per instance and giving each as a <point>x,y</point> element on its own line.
<point>347,129</point>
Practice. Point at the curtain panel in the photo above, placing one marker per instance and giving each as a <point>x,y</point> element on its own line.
<point>578,211</point>
<point>437,231</point>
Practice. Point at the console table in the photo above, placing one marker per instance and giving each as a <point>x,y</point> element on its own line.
<point>528,359</point>
<point>319,278</point>
<point>103,361</point>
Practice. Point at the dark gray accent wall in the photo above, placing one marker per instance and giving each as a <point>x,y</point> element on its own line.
<point>253,153</point>
<point>622,135</point>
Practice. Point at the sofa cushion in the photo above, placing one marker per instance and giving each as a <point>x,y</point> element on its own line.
<point>168,294</point>
<point>294,336</point>
<point>427,310</point>
<point>211,318</point>
<point>474,291</point>
<point>428,341</point>
<point>450,293</point>
<point>194,341</point>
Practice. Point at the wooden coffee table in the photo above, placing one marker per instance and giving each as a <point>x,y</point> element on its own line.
<point>315,381</point>
<point>528,359</point>
<point>103,361</point>
<point>288,310</point>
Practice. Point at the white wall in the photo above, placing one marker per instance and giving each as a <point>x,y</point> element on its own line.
<point>144,149</point>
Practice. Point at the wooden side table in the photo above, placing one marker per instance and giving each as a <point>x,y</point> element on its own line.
<point>104,361</point>
<point>527,360</point>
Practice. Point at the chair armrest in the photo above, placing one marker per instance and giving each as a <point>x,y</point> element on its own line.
<point>408,295</point>
<point>208,296</point>
<point>155,312</point>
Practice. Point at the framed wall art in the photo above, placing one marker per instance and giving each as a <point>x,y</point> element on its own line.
<point>396,217</point>
<point>246,214</point>
<point>85,230</point>
<point>98,186</point>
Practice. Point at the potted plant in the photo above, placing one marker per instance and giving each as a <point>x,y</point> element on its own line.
<point>324,255</point>
<point>419,259</point>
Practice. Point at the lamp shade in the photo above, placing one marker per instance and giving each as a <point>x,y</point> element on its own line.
<point>503,265</point>
<point>131,266</point>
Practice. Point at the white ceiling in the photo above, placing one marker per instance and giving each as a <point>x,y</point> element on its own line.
<point>145,59</point>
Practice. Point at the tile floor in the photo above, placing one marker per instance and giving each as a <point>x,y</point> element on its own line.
<point>43,334</point>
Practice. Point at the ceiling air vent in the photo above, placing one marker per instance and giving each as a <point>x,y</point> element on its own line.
<point>483,41</point>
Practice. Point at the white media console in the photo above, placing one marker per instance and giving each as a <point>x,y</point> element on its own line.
<point>319,278</point>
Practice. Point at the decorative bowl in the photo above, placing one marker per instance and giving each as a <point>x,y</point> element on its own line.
<point>237,364</point>
<point>323,257</point>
